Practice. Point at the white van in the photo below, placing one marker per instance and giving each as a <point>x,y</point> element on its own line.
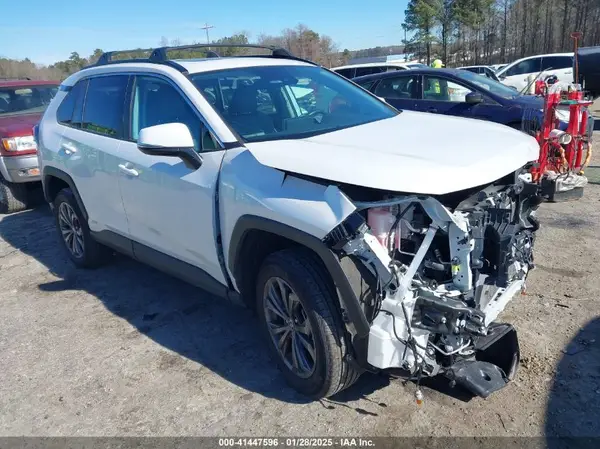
<point>354,70</point>
<point>517,74</point>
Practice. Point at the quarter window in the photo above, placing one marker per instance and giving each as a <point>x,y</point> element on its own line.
<point>64,114</point>
<point>104,105</point>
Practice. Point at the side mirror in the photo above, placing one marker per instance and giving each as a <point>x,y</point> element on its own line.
<point>170,139</point>
<point>474,98</point>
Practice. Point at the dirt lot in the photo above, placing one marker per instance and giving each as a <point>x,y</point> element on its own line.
<point>126,350</point>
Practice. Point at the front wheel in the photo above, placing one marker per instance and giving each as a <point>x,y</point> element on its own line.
<point>302,324</point>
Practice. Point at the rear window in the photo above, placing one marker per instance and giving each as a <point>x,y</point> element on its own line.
<point>25,99</point>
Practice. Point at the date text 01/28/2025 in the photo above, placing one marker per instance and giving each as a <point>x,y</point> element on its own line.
<point>296,442</point>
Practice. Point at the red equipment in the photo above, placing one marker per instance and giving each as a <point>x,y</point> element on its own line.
<point>561,153</point>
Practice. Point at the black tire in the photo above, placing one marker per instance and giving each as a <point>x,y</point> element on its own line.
<point>316,293</point>
<point>13,196</point>
<point>92,254</point>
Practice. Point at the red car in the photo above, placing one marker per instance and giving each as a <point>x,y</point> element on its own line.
<point>22,103</point>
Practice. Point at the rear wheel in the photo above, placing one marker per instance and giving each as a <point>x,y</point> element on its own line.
<point>74,233</point>
<point>13,196</point>
<point>302,324</point>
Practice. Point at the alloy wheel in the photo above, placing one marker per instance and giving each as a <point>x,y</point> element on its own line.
<point>289,327</point>
<point>70,229</point>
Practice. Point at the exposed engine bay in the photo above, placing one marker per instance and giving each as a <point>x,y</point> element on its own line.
<point>443,269</point>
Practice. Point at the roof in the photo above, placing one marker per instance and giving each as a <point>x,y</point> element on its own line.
<point>210,64</point>
<point>26,83</point>
<point>374,64</point>
<point>419,71</point>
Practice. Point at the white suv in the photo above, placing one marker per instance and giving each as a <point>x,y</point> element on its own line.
<point>276,183</point>
<point>518,73</point>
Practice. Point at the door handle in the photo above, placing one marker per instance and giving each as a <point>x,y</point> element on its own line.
<point>128,169</point>
<point>69,149</point>
<point>431,109</point>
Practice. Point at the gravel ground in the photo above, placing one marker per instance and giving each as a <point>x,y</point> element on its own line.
<point>126,350</point>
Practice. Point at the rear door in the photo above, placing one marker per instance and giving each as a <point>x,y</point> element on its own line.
<point>561,66</point>
<point>90,148</point>
<point>401,91</point>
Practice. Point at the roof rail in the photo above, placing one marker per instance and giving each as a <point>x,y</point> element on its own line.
<point>160,55</point>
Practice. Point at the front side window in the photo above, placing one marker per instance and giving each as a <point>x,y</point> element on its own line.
<point>156,102</point>
<point>528,66</point>
<point>402,87</point>
<point>488,84</point>
<point>287,102</point>
<point>442,89</point>
<point>25,99</point>
<point>104,105</point>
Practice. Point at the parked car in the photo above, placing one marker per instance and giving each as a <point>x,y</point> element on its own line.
<point>354,70</point>
<point>22,103</point>
<point>359,243</point>
<point>481,70</point>
<point>460,93</point>
<point>517,74</point>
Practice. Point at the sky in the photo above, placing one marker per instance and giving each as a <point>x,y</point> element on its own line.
<point>47,31</point>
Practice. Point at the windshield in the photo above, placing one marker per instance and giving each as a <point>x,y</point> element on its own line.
<point>488,84</point>
<point>288,102</point>
<point>25,99</point>
<point>417,65</point>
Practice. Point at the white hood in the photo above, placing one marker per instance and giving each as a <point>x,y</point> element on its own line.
<point>413,152</point>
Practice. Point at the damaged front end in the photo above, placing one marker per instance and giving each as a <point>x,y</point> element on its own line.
<point>441,270</point>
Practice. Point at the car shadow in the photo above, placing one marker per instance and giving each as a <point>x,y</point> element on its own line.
<point>573,409</point>
<point>207,330</point>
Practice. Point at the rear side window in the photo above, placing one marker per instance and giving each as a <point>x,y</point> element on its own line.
<point>361,71</point>
<point>348,73</point>
<point>104,105</point>
<point>402,87</point>
<point>556,62</point>
<point>64,114</point>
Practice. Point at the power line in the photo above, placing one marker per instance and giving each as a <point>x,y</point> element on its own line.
<point>207,27</point>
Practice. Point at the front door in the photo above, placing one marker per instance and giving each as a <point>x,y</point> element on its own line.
<point>171,207</point>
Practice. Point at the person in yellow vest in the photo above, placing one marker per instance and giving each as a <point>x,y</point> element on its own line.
<point>435,83</point>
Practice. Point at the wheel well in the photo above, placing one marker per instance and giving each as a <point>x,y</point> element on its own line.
<point>54,185</point>
<point>256,245</point>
